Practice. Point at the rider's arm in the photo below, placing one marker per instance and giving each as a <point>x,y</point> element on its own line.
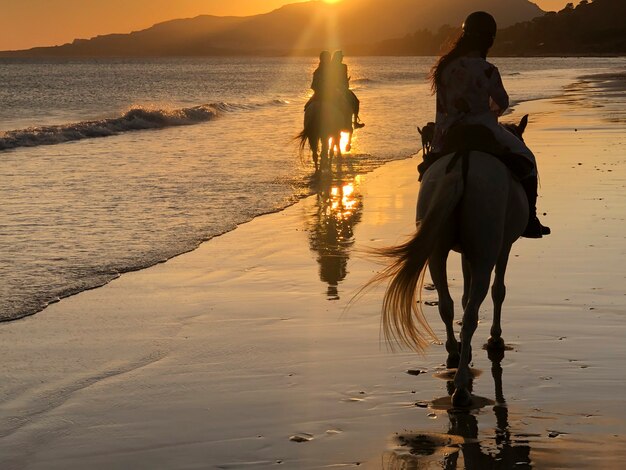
<point>345,81</point>
<point>315,83</point>
<point>499,99</point>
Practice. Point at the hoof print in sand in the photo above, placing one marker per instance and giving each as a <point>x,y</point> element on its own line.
<point>301,437</point>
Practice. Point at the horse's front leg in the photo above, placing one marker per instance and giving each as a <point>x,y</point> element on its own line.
<point>478,292</point>
<point>498,292</point>
<point>438,273</point>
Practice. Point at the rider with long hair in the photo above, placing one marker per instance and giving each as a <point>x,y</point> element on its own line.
<point>470,91</point>
<point>321,78</point>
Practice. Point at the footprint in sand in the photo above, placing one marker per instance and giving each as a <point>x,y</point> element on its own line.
<point>301,437</point>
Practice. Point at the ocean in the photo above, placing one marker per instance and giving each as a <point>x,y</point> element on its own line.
<point>109,166</point>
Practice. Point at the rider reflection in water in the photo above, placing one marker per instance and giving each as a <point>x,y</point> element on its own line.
<point>470,91</point>
<point>330,80</point>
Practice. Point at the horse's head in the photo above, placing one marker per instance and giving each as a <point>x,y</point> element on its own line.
<point>428,134</point>
<point>518,129</point>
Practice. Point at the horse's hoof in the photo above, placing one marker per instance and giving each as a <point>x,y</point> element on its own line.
<point>348,147</point>
<point>495,343</point>
<point>461,398</point>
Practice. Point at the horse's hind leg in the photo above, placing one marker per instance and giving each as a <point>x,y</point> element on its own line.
<point>324,154</point>
<point>467,280</point>
<point>498,292</point>
<point>478,292</point>
<point>438,273</point>
<point>315,157</point>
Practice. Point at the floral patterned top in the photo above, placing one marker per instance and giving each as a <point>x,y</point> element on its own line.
<point>470,91</point>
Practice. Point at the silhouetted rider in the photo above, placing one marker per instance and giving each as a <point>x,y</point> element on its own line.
<point>341,81</point>
<point>321,79</point>
<point>470,92</point>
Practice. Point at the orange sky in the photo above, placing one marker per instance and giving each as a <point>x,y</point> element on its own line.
<point>30,23</point>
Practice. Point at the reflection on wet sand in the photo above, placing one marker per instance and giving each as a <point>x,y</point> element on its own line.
<point>331,225</point>
<point>462,447</point>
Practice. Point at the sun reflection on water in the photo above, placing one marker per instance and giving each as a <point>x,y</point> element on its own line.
<point>342,201</point>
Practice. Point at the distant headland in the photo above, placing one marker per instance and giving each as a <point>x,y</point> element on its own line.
<point>364,27</point>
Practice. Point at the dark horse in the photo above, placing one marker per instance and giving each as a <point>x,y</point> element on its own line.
<point>324,121</point>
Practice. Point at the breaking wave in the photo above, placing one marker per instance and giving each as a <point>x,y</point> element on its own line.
<point>135,119</point>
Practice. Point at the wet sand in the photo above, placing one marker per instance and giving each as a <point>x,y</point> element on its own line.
<point>242,354</point>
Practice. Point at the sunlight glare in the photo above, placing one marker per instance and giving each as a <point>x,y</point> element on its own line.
<point>343,142</point>
<point>342,202</point>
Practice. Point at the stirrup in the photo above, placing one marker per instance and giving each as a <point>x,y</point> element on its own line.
<point>358,125</point>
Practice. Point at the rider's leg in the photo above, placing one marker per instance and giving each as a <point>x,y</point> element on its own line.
<point>534,229</point>
<point>356,105</point>
<point>516,146</point>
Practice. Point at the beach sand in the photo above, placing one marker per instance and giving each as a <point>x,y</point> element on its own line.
<point>242,354</point>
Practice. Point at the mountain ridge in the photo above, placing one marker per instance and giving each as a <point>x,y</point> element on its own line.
<point>294,28</point>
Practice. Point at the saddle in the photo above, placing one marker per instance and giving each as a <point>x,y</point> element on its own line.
<point>463,139</point>
<point>340,102</point>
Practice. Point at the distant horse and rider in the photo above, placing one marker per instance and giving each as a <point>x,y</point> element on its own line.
<point>332,109</point>
<point>477,196</point>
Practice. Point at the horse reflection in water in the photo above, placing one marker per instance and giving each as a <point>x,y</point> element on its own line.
<point>462,447</point>
<point>331,234</point>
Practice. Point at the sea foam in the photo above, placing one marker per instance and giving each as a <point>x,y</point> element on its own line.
<point>134,119</point>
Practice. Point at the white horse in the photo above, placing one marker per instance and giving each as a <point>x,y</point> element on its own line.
<point>480,214</point>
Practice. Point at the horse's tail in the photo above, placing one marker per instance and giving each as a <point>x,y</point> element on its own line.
<point>303,137</point>
<point>403,320</point>
<point>307,133</point>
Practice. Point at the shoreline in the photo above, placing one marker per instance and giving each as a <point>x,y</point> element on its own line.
<point>218,357</point>
<point>296,199</point>
<point>610,78</point>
